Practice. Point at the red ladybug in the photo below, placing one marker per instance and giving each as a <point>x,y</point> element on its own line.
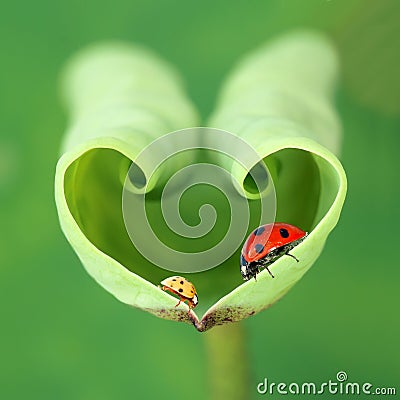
<point>266,244</point>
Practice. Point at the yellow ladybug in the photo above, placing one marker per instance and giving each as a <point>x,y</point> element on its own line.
<point>182,288</point>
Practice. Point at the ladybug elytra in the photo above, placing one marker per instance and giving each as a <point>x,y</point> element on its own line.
<point>266,244</point>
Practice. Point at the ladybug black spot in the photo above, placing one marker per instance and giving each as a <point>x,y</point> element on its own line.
<point>259,248</point>
<point>284,233</point>
<point>181,282</point>
<point>174,279</point>
<point>259,231</point>
<point>191,291</point>
<point>180,290</point>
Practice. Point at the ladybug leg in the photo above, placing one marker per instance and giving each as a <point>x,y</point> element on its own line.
<point>191,305</point>
<point>291,255</point>
<point>179,302</point>
<point>252,271</point>
<point>167,289</point>
<point>182,300</point>
<point>266,267</point>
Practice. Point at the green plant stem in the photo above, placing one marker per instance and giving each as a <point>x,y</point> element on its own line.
<point>227,362</point>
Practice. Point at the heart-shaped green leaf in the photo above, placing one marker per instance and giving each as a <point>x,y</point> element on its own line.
<point>122,98</point>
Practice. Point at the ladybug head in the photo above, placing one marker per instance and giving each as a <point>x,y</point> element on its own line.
<point>248,270</point>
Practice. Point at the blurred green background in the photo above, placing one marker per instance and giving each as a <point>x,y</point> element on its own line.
<point>63,337</point>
